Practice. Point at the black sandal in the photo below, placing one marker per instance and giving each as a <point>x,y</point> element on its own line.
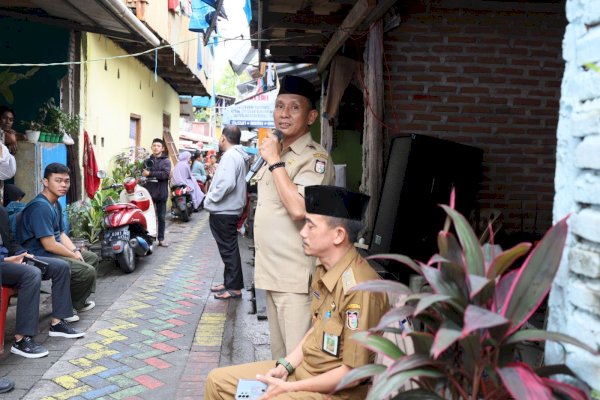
<point>228,294</point>
<point>218,288</point>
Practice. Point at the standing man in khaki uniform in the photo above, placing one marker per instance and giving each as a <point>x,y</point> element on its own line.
<point>326,353</point>
<point>282,269</point>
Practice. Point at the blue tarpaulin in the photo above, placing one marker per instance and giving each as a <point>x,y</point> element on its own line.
<point>251,150</point>
<point>198,19</point>
<point>203,101</point>
<point>248,11</point>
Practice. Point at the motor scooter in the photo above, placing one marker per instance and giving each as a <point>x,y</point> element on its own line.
<point>201,186</point>
<point>182,205</point>
<point>130,224</point>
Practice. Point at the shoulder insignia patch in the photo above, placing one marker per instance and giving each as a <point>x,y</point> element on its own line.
<point>352,319</point>
<point>348,280</point>
<point>320,166</point>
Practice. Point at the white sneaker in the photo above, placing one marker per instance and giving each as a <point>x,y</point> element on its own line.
<point>74,318</point>
<point>88,306</point>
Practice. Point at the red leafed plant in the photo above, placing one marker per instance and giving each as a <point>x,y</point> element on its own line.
<point>467,328</point>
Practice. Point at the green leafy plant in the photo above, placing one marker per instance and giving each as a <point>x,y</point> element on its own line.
<point>130,163</point>
<point>32,125</point>
<point>9,78</point>
<point>77,220</point>
<point>53,119</point>
<point>86,217</point>
<point>468,328</point>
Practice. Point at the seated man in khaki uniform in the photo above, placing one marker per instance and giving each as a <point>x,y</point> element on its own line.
<point>327,352</point>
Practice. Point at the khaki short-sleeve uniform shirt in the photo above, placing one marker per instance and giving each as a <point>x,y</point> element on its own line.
<point>338,314</point>
<point>280,261</point>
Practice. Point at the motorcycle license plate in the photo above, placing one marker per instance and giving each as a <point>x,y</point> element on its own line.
<point>117,235</point>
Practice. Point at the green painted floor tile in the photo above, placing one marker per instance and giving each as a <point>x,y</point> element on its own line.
<point>121,381</point>
<point>132,391</point>
<point>140,371</point>
<point>149,354</point>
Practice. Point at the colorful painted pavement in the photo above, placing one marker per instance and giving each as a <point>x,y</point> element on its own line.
<point>158,340</point>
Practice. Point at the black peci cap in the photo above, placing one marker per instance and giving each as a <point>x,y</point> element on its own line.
<point>291,84</point>
<point>334,201</point>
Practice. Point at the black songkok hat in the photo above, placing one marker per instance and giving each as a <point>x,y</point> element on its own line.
<point>334,201</point>
<point>291,84</point>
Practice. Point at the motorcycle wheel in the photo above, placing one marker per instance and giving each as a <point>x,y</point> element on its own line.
<point>185,216</point>
<point>126,259</point>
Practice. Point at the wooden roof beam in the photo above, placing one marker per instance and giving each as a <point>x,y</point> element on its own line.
<point>355,17</point>
<point>213,22</point>
<point>382,7</point>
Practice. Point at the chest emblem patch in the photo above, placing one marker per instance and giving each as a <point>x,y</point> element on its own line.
<point>320,166</point>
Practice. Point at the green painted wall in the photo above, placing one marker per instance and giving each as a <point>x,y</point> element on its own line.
<point>26,42</point>
<point>347,150</point>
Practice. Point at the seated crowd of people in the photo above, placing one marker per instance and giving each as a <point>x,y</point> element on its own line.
<point>39,249</point>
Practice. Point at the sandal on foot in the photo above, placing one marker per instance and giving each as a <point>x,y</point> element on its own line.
<point>163,243</point>
<point>218,288</point>
<point>228,294</point>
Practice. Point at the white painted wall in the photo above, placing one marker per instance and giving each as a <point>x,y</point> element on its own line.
<point>575,296</point>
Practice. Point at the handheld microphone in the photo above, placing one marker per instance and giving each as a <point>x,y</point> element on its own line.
<point>259,161</point>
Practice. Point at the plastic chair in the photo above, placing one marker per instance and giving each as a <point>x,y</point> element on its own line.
<point>7,293</point>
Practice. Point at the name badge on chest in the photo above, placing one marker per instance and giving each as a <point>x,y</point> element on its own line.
<point>332,331</point>
<point>331,344</point>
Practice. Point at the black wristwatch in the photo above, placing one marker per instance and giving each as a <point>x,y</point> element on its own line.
<point>276,165</point>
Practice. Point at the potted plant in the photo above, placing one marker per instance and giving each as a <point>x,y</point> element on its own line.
<point>86,218</point>
<point>33,133</point>
<point>79,231</point>
<point>129,163</point>
<point>468,327</point>
<point>56,123</point>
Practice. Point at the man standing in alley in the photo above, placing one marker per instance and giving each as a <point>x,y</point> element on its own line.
<point>158,185</point>
<point>282,269</point>
<point>225,202</point>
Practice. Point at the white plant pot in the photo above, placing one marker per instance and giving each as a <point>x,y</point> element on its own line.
<point>67,139</point>
<point>32,136</point>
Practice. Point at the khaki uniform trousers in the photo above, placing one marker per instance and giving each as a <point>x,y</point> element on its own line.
<point>289,319</point>
<point>83,277</point>
<point>221,384</point>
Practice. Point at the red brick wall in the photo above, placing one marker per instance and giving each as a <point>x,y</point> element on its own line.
<point>489,78</point>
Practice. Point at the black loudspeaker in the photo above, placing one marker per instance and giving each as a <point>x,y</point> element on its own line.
<point>420,175</point>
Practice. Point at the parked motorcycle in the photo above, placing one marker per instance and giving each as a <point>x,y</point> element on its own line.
<point>182,205</point>
<point>130,224</point>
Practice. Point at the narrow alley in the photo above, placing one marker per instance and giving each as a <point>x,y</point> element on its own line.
<point>155,333</point>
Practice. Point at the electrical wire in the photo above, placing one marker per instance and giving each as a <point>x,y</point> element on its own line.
<point>366,90</point>
<point>151,50</point>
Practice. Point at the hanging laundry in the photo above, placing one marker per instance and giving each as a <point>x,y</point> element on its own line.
<point>248,11</point>
<point>90,167</point>
<point>198,18</point>
<point>200,49</point>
